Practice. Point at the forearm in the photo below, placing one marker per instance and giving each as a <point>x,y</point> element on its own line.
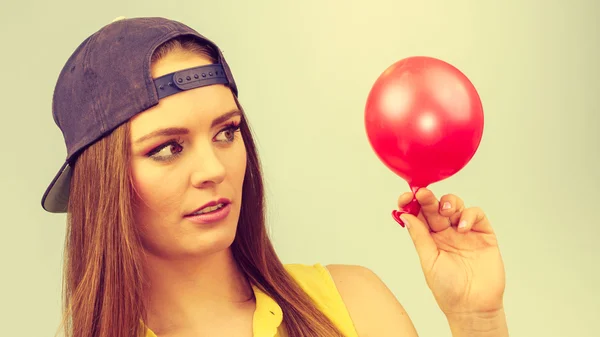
<point>480,325</point>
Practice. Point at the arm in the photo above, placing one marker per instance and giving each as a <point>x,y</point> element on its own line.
<point>375,310</point>
<point>492,324</point>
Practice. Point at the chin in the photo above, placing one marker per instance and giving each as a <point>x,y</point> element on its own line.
<point>211,239</point>
<point>186,239</point>
<point>209,244</point>
<point>192,246</point>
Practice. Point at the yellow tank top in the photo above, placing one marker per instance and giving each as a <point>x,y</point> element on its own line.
<point>316,281</point>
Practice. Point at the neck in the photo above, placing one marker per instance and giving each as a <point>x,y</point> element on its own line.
<point>182,292</point>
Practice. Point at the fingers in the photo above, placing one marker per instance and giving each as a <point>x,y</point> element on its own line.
<point>404,199</point>
<point>438,213</point>
<point>448,212</point>
<point>451,206</point>
<point>473,219</point>
<point>421,237</point>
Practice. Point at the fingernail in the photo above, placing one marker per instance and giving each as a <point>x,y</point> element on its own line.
<point>446,205</point>
<point>462,224</point>
<point>403,218</point>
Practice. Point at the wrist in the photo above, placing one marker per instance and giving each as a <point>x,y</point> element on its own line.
<point>487,324</point>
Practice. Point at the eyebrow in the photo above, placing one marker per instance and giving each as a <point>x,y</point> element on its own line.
<point>183,131</point>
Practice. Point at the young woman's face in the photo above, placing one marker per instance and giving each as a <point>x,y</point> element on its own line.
<point>188,165</point>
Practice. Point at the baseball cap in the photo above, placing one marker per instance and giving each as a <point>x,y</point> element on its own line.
<point>107,81</point>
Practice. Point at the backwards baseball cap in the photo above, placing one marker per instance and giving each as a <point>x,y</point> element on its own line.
<point>108,80</point>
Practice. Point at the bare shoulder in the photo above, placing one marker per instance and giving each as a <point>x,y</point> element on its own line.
<point>373,308</point>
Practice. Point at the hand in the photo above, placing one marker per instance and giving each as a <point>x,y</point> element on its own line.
<point>458,252</point>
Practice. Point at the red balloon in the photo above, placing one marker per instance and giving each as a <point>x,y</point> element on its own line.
<point>424,120</point>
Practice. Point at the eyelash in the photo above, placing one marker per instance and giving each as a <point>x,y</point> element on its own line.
<point>232,126</point>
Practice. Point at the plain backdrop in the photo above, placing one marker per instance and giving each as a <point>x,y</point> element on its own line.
<point>304,70</point>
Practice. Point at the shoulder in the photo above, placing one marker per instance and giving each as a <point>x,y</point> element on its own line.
<point>316,281</point>
<point>369,305</point>
<point>373,308</point>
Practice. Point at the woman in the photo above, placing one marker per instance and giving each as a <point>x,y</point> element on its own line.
<point>166,232</point>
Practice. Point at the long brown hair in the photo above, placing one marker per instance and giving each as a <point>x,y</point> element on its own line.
<point>103,278</point>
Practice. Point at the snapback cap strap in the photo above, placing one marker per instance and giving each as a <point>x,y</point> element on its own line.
<point>191,78</point>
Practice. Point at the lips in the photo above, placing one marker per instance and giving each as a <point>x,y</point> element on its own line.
<point>210,207</point>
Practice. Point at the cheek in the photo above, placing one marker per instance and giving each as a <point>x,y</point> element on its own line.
<point>236,166</point>
<point>152,193</point>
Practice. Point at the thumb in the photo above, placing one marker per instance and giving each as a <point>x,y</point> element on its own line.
<point>419,232</point>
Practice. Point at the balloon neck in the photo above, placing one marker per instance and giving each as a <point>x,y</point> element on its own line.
<point>413,207</point>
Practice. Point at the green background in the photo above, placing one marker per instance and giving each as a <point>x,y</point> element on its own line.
<point>304,70</point>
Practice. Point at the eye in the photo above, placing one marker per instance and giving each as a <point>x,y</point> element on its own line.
<point>227,135</point>
<point>166,151</point>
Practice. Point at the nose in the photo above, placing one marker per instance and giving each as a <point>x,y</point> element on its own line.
<point>209,170</point>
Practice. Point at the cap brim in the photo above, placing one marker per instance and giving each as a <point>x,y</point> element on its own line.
<point>56,197</point>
